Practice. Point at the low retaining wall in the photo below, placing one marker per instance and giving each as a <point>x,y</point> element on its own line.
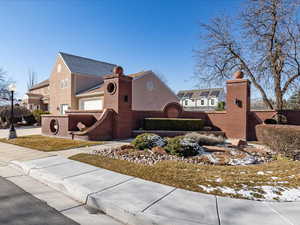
<point>220,120</point>
<point>167,133</point>
<point>63,128</point>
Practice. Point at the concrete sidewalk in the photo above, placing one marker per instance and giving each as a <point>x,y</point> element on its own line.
<point>135,201</point>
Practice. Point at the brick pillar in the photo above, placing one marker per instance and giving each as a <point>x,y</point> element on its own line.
<point>237,108</point>
<point>118,96</point>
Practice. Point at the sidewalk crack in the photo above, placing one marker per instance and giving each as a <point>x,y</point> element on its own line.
<point>158,200</point>
<point>104,189</point>
<point>217,209</point>
<point>280,215</point>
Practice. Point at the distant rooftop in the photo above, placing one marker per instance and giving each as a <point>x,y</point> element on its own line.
<point>200,93</point>
<point>41,84</point>
<point>82,65</point>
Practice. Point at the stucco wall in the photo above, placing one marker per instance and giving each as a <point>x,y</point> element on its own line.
<point>58,95</point>
<point>150,93</point>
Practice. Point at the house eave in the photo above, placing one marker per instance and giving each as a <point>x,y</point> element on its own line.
<point>90,94</point>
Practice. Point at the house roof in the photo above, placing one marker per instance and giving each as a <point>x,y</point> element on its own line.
<point>99,86</point>
<point>200,93</point>
<point>44,83</point>
<point>139,74</point>
<point>86,66</point>
<point>93,89</point>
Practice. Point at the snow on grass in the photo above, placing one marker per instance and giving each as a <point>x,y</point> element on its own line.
<point>243,161</point>
<point>265,193</point>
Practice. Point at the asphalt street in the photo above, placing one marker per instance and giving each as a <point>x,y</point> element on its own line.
<point>18,207</point>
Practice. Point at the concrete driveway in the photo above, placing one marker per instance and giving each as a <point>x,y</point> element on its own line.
<point>21,131</point>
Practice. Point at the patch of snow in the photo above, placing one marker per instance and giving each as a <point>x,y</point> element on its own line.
<point>219,180</point>
<point>212,159</point>
<point>244,161</point>
<point>292,194</point>
<point>274,178</point>
<point>260,173</point>
<point>282,182</point>
<point>207,189</point>
<point>227,190</point>
<point>233,152</point>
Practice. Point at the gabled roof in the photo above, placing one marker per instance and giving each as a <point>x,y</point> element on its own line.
<point>99,86</point>
<point>200,93</point>
<point>95,88</point>
<point>44,83</point>
<point>86,66</point>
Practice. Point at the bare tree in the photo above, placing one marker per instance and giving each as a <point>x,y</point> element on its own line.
<point>4,93</point>
<point>32,79</point>
<point>263,42</point>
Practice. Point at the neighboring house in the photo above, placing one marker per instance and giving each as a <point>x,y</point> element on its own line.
<point>37,97</point>
<point>76,83</point>
<point>201,99</point>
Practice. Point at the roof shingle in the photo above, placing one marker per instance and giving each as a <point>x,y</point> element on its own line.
<point>86,66</point>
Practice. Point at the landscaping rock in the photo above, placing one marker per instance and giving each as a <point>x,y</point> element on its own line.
<point>238,143</point>
<point>126,147</point>
<point>208,148</point>
<point>297,155</point>
<point>159,150</point>
<point>215,155</point>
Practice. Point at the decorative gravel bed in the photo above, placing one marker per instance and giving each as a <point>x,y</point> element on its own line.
<point>216,155</point>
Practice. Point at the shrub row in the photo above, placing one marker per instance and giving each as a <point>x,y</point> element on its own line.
<point>183,146</point>
<point>283,139</point>
<point>174,124</point>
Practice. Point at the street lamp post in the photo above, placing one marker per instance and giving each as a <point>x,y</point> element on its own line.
<point>12,130</point>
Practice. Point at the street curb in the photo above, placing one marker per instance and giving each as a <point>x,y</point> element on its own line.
<point>121,214</point>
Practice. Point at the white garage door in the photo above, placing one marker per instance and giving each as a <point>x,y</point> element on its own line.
<point>92,104</point>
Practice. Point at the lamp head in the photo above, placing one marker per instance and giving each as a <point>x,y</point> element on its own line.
<point>12,87</point>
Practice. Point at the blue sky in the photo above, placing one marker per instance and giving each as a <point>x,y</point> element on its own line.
<point>136,34</point>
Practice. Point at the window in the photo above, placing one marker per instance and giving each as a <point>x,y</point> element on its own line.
<point>212,102</point>
<point>150,85</point>
<point>64,83</point>
<point>63,108</point>
<point>202,102</point>
<point>186,102</point>
<point>59,68</point>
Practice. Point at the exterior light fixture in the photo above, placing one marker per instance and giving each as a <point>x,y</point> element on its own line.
<point>12,131</point>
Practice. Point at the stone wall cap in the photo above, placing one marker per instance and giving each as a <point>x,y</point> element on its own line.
<point>49,115</point>
<point>216,112</point>
<point>112,76</point>
<point>238,81</point>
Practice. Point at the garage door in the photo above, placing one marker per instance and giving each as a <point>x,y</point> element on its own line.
<point>92,104</point>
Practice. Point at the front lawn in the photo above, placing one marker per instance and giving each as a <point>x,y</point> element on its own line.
<point>278,180</point>
<point>48,144</point>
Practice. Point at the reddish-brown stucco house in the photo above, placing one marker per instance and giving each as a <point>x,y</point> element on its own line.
<point>76,83</point>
